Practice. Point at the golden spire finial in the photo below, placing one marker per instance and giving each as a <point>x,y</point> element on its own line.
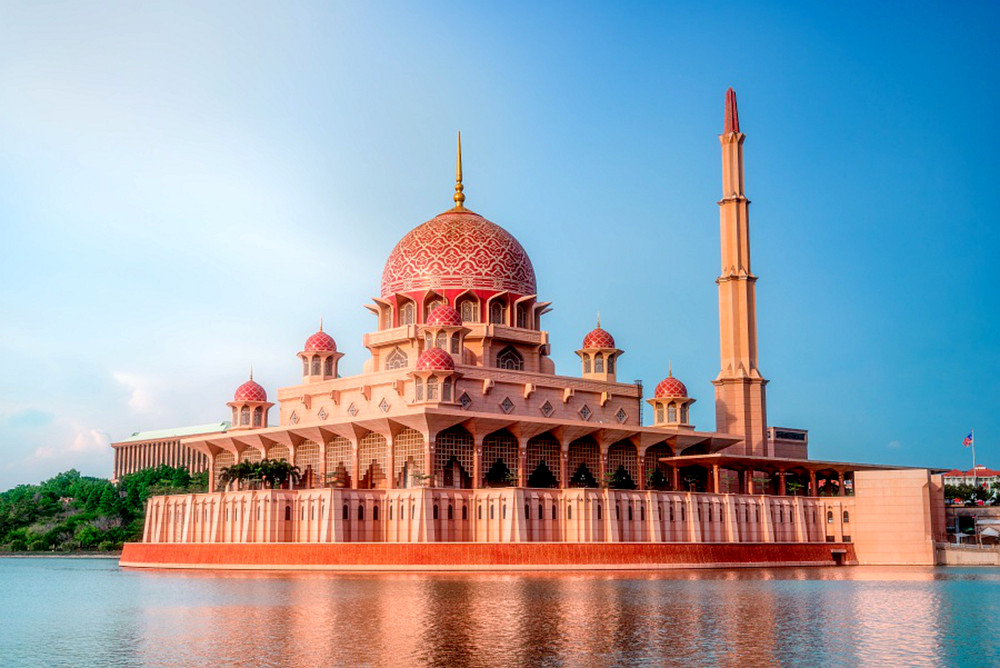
<point>459,195</point>
<point>251,372</point>
<point>670,369</point>
<point>598,320</point>
<point>321,323</point>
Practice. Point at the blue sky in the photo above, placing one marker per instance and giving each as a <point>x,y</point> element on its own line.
<point>186,189</point>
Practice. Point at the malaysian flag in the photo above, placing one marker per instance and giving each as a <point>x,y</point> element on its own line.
<point>968,440</point>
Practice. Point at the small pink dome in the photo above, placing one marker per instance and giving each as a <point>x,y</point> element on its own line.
<point>435,359</point>
<point>250,391</point>
<point>444,315</point>
<point>598,338</point>
<point>320,342</point>
<point>670,387</point>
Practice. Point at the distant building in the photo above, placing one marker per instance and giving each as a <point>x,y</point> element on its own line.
<point>981,475</point>
<point>149,449</point>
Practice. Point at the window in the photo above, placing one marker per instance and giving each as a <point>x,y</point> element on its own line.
<point>446,390</point>
<point>328,366</point>
<point>258,416</point>
<point>418,389</point>
<point>672,413</point>
<point>527,512</point>
<point>346,514</point>
<point>442,340</point>
<point>659,413</point>
<point>451,512</point>
<point>541,512</point>
<point>510,359</point>
<point>553,511</point>
<point>586,363</point>
<point>432,388</point>
<point>847,517</point>
<point>431,305</point>
<point>498,313</point>
<point>465,512</point>
<point>435,511</point>
<point>315,365</point>
<point>407,313</point>
<point>611,363</point>
<point>397,359</point>
<point>829,517</point>
<point>361,512</point>
<point>288,513</point>
<point>598,363</point>
<point>569,512</point>
<point>305,366</point>
<point>375,513</point>
<point>245,416</point>
<point>480,512</point>
<point>469,310</point>
<point>598,511</point>
<point>454,343</point>
<point>428,340</point>
<point>522,316</point>
<point>491,511</point>
<point>387,317</point>
<point>390,512</point>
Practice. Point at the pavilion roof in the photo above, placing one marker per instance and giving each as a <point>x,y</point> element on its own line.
<point>747,462</point>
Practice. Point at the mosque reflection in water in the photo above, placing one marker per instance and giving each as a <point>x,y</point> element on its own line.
<point>871,616</point>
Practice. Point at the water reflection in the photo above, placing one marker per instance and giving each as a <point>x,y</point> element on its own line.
<point>837,617</point>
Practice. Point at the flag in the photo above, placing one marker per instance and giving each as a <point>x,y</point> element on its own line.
<point>968,440</point>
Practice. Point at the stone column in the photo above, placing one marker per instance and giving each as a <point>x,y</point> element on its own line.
<point>675,478</point>
<point>522,462</point>
<point>715,479</point>
<point>211,473</point>
<point>781,483</point>
<point>813,490</point>
<point>563,466</point>
<point>355,464</point>
<point>642,473</point>
<point>390,461</point>
<point>603,467</point>
<point>840,481</point>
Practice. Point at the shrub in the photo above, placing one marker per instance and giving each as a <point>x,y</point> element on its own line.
<point>107,546</point>
<point>17,545</point>
<point>38,546</point>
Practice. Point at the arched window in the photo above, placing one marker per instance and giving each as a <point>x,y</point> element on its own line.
<point>611,363</point>
<point>315,365</point>
<point>659,413</point>
<point>442,340</point>
<point>684,413</point>
<point>553,511</point>
<point>469,310</point>
<point>375,513</point>
<point>522,316</point>
<point>428,340</point>
<point>510,359</point>
<point>829,517</point>
<point>258,416</point>
<point>598,363</point>
<point>642,513</point>
<point>245,416</point>
<point>346,514</point>
<point>847,517</point>
<point>361,512</point>
<point>387,317</point>
<point>288,513</point>
<point>491,511</point>
<point>390,512</point>
<point>672,413</point>
<point>586,363</point>
<point>630,512</point>
<point>446,390</point>
<point>407,313</point>
<point>498,313</point>
<point>451,512</point>
<point>480,512</point>
<point>328,366</point>
<point>527,512</point>
<point>418,389</point>
<point>305,366</point>
<point>541,512</point>
<point>397,359</point>
<point>569,512</point>
<point>598,511</point>
<point>465,512</point>
<point>454,343</point>
<point>432,388</point>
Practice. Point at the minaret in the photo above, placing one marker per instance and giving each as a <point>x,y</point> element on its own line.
<point>740,406</point>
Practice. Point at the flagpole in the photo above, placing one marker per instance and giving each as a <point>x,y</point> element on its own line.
<point>975,476</point>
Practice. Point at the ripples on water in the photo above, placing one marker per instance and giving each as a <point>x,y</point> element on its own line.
<point>84,612</point>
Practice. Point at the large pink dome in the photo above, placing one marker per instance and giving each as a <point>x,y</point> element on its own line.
<point>458,250</point>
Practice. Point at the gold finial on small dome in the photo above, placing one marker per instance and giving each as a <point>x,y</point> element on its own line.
<point>598,320</point>
<point>321,323</point>
<point>670,369</point>
<point>251,372</point>
<point>459,195</point>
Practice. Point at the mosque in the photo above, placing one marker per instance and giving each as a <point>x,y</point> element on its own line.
<point>459,447</point>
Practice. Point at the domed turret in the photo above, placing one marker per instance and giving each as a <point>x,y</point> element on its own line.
<point>434,377</point>
<point>250,405</point>
<point>599,355</point>
<point>671,403</point>
<point>319,357</point>
<point>444,315</point>
<point>435,359</point>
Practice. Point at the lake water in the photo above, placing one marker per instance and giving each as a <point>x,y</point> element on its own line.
<point>89,612</point>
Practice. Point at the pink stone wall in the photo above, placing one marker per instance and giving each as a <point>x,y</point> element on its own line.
<point>897,514</point>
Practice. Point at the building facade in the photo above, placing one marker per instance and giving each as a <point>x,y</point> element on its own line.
<point>459,430</point>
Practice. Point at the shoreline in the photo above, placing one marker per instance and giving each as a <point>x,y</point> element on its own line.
<point>60,555</point>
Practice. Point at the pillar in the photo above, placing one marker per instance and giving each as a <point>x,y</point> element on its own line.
<point>675,478</point>
<point>715,478</point>
<point>211,473</point>
<point>840,486</point>
<point>522,462</point>
<point>603,468</point>
<point>642,473</point>
<point>813,490</point>
<point>477,461</point>
<point>781,482</point>
<point>563,465</point>
<point>355,464</point>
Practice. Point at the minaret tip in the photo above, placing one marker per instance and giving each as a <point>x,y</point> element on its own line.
<point>670,369</point>
<point>321,323</point>
<point>251,372</point>
<point>459,196</point>
<point>598,320</point>
<point>732,115</point>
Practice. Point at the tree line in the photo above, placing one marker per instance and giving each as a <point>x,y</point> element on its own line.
<point>70,512</point>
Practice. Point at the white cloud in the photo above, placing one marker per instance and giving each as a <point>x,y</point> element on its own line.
<point>894,445</point>
<point>90,440</point>
<point>144,392</point>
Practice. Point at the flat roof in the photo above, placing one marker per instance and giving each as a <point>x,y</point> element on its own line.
<point>763,463</point>
<point>177,432</point>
